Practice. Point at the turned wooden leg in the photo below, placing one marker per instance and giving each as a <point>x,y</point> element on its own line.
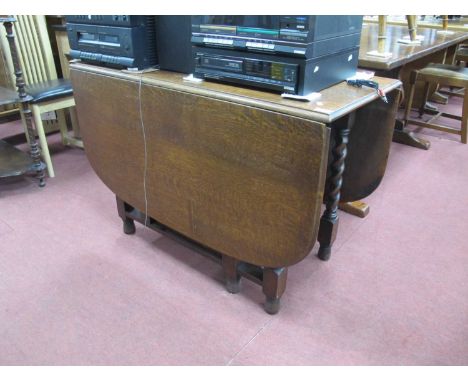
<point>327,234</point>
<point>274,284</point>
<point>128,223</point>
<point>329,220</point>
<point>38,165</point>
<point>36,114</point>
<point>35,153</point>
<point>231,274</point>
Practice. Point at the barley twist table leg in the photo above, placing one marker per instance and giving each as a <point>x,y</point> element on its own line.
<point>329,220</point>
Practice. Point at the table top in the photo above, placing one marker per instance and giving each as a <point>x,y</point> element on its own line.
<point>402,53</point>
<point>336,101</point>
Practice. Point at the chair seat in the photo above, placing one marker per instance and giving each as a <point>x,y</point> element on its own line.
<point>445,71</point>
<point>49,90</point>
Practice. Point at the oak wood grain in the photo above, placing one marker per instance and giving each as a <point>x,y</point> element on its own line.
<point>243,180</point>
<point>108,113</point>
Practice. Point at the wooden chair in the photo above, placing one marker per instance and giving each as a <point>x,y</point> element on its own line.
<point>445,75</point>
<point>460,58</point>
<point>49,94</point>
<point>462,54</point>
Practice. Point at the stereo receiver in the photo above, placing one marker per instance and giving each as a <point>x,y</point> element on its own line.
<point>301,36</point>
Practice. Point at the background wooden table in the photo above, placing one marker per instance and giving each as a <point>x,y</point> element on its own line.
<point>403,54</point>
<point>435,47</point>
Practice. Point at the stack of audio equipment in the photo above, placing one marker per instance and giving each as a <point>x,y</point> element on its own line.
<point>291,54</point>
<point>137,42</point>
<point>120,41</point>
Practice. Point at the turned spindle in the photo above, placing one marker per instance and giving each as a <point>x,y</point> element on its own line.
<point>24,99</point>
<point>382,34</point>
<point>411,27</point>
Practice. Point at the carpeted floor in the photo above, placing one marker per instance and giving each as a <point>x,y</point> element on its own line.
<point>75,290</point>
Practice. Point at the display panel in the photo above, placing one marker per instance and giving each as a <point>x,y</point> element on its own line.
<point>265,22</point>
<point>258,26</point>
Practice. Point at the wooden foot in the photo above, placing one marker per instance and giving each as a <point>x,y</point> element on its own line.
<point>431,107</point>
<point>274,285</point>
<point>326,236</point>
<point>40,173</point>
<point>324,252</point>
<point>272,305</point>
<point>128,226</point>
<point>357,208</point>
<point>439,98</point>
<point>231,274</point>
<point>400,135</point>
<point>128,223</point>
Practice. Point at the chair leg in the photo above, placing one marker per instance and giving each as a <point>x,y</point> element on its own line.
<point>62,121</point>
<point>464,122</point>
<point>409,103</point>
<point>42,139</point>
<point>426,96</point>
<point>74,121</point>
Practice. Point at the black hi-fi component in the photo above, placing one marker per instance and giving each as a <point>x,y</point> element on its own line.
<point>299,36</point>
<point>109,20</point>
<point>116,41</point>
<point>174,46</point>
<point>281,74</point>
<point>290,54</point>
